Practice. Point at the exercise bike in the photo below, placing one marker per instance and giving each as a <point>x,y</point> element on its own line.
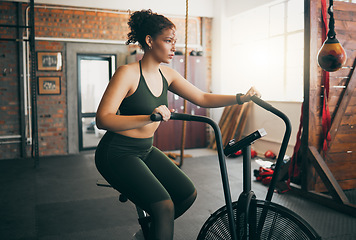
<point>253,218</point>
<point>248,217</point>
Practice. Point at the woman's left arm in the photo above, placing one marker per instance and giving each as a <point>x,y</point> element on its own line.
<point>186,90</point>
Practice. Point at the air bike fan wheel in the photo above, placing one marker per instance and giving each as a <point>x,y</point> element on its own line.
<point>249,218</point>
<point>277,223</point>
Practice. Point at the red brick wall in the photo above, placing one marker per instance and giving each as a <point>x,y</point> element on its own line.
<point>62,23</point>
<point>52,109</point>
<point>9,101</point>
<point>9,92</point>
<point>80,24</point>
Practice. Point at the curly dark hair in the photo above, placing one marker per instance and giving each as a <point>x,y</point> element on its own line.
<point>145,22</point>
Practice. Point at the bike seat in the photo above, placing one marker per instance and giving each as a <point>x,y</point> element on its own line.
<point>103,183</point>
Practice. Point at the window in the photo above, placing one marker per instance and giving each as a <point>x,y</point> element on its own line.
<point>349,1</point>
<point>268,49</point>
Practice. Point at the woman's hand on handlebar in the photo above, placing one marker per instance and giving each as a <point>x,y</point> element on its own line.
<point>251,92</point>
<point>164,111</point>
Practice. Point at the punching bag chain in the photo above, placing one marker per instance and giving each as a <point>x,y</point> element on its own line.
<point>331,33</point>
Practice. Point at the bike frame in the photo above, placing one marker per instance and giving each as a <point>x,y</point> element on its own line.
<point>246,153</point>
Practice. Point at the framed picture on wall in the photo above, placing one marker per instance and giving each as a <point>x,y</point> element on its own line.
<point>49,61</point>
<point>49,85</point>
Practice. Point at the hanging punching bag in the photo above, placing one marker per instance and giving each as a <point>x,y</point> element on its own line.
<point>331,56</point>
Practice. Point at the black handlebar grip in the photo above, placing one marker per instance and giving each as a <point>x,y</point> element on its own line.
<point>261,103</point>
<point>182,116</point>
<point>156,117</point>
<point>174,116</point>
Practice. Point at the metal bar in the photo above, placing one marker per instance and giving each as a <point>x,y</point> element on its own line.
<point>35,150</point>
<point>28,94</point>
<point>280,158</point>
<point>27,76</point>
<point>222,164</point>
<point>14,26</point>
<point>284,145</point>
<point>21,81</point>
<point>9,142</point>
<point>10,137</point>
<point>13,39</point>
<point>246,152</point>
<point>306,77</point>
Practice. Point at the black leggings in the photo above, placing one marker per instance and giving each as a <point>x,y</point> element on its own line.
<point>143,173</point>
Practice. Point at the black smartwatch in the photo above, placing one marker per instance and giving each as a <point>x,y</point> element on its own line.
<point>238,98</point>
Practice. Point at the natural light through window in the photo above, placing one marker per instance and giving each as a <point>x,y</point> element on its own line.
<point>350,1</point>
<point>267,47</point>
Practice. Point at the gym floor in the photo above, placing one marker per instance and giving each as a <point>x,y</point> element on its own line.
<point>59,200</point>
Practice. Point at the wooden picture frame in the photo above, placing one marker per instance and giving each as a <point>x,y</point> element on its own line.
<point>49,61</point>
<point>49,85</point>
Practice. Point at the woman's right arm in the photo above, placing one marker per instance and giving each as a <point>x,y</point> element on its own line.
<point>117,89</point>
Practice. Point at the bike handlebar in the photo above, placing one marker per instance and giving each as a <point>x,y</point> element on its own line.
<point>284,144</point>
<point>264,105</point>
<point>156,117</point>
<point>282,151</point>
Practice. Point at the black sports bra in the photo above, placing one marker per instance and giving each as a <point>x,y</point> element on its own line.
<point>142,101</point>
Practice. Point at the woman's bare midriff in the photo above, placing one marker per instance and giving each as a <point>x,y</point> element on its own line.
<point>143,132</point>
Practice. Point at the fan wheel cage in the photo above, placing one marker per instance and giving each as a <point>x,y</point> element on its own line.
<point>279,223</point>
